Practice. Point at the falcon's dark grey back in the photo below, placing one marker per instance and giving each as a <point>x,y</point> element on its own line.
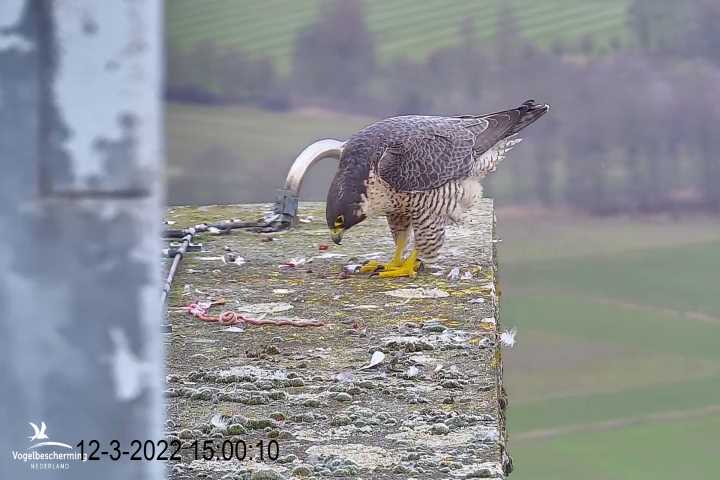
<point>416,152</point>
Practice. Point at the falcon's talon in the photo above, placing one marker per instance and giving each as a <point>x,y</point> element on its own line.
<point>409,268</point>
<point>410,272</point>
<point>371,266</point>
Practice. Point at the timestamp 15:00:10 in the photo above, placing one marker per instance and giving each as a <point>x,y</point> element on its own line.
<point>229,449</point>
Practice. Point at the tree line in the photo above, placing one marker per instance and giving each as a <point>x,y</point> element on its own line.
<point>631,130</point>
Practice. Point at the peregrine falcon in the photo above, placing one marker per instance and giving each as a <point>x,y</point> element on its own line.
<point>421,172</point>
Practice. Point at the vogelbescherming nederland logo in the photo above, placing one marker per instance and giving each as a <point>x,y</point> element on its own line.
<point>45,454</point>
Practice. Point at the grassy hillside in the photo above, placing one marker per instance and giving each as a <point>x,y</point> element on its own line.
<point>401,27</point>
<point>616,373</point>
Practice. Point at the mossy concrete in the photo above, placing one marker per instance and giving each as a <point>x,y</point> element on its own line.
<point>434,408</point>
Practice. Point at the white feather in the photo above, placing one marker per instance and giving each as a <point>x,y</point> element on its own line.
<point>507,337</point>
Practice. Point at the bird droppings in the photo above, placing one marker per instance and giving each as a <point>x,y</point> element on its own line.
<point>304,387</point>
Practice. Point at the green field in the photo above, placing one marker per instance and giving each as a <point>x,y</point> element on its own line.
<point>616,373</point>
<point>401,27</point>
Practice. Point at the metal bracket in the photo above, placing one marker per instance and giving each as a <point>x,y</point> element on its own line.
<point>284,214</point>
<point>175,249</point>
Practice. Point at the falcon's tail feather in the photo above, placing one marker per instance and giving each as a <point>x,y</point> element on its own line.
<point>491,128</point>
<point>526,113</point>
<point>529,112</point>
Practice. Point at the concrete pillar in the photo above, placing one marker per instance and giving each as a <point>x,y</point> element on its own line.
<point>80,215</point>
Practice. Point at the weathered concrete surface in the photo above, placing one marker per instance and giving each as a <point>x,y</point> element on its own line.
<point>431,409</point>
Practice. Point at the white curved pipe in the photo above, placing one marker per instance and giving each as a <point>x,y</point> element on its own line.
<point>327,148</point>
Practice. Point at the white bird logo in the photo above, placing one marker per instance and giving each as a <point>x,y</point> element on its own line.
<point>39,432</point>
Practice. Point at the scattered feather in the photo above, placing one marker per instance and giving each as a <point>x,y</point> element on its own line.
<point>454,274</point>
<point>282,291</point>
<point>412,372</point>
<point>220,421</point>
<point>418,293</point>
<point>466,275</point>
<point>376,359</point>
<point>307,219</point>
<point>293,263</point>
<point>330,255</point>
<point>352,268</point>
<point>508,337</point>
<point>477,300</point>
<point>488,320</point>
<point>234,329</point>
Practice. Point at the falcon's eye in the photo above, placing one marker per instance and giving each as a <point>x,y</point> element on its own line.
<point>339,221</point>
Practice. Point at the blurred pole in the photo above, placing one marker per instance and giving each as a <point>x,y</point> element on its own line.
<point>80,214</point>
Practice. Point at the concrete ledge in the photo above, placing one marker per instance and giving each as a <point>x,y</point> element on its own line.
<point>432,409</point>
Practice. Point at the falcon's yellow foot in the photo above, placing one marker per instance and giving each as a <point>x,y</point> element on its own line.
<point>409,268</point>
<point>374,266</point>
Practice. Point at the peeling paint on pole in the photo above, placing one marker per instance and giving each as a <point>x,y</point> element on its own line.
<point>80,209</point>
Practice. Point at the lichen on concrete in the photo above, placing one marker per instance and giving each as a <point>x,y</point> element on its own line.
<point>432,408</point>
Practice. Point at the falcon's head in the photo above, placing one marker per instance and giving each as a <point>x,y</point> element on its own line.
<point>344,202</point>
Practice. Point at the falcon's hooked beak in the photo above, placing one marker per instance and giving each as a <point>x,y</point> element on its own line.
<point>337,230</point>
<point>337,234</point>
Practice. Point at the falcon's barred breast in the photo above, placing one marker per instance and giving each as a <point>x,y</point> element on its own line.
<point>421,172</point>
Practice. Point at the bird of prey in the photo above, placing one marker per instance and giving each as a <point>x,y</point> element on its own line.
<point>421,172</point>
